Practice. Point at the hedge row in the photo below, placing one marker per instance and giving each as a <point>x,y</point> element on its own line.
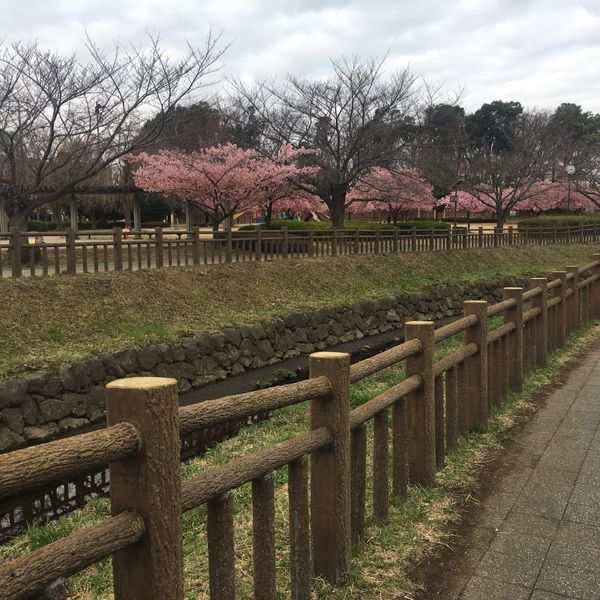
<point>276,225</point>
<point>41,226</point>
<point>559,221</point>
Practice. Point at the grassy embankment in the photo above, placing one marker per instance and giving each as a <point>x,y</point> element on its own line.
<point>381,567</point>
<point>50,320</point>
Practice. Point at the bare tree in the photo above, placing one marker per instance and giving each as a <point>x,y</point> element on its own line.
<point>508,168</point>
<point>357,119</point>
<point>63,121</point>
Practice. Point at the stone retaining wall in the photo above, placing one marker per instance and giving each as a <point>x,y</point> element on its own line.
<point>45,403</point>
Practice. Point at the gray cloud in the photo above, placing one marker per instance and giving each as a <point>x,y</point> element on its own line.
<point>541,52</point>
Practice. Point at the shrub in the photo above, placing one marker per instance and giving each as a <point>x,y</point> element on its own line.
<point>34,225</point>
<point>276,225</point>
<point>559,221</point>
<point>423,225</point>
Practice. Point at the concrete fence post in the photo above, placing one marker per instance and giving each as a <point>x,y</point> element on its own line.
<point>540,330</point>
<point>414,240</point>
<point>118,248</point>
<point>515,315</point>
<point>71,257</point>
<point>480,237</point>
<point>421,404</point>
<point>150,484</point>
<point>330,471</point>
<point>477,375</point>
<point>16,259</point>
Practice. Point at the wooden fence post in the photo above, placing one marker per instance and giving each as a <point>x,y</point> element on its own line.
<point>515,315</point>
<point>449,238</point>
<point>421,404</point>
<point>285,247</point>
<point>258,247</point>
<point>560,322</point>
<point>594,296</point>
<point>71,258</point>
<point>395,241</point>
<point>330,471</point>
<point>16,249</point>
<point>195,245</point>
<point>540,322</point>
<point>476,366</point>
<point>118,248</point>
<point>228,246</point>
<point>376,245</point>
<point>149,483</point>
<point>334,242</point>
<point>414,240</point>
<point>480,237</point>
<point>159,247</point>
<point>573,312</point>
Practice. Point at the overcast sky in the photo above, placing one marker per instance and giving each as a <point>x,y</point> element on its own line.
<point>541,52</point>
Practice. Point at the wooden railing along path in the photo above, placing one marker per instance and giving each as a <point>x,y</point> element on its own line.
<point>436,404</point>
<point>71,253</point>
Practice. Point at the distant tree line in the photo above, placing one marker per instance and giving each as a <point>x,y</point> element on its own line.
<point>360,137</point>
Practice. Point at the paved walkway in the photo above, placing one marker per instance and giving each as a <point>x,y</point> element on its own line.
<point>536,535</point>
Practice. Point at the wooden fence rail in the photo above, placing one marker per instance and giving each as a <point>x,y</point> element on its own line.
<point>71,252</point>
<point>416,423</point>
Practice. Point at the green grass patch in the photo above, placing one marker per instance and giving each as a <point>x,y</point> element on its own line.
<point>49,320</point>
<point>382,566</point>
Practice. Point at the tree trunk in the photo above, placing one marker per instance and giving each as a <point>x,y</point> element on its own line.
<point>337,205</point>
<point>500,218</point>
<point>269,214</point>
<point>18,220</point>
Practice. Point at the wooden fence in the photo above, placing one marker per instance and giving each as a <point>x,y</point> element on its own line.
<point>71,253</point>
<point>436,404</point>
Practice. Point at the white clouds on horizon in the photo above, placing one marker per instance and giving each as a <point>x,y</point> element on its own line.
<point>538,52</point>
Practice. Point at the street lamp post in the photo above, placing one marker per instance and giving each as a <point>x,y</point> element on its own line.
<point>454,198</point>
<point>570,169</point>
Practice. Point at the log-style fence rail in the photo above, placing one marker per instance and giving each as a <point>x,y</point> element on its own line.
<point>71,252</point>
<point>416,423</point>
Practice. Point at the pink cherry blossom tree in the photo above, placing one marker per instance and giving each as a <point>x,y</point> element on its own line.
<point>397,191</point>
<point>557,196</point>
<point>274,176</point>
<point>223,180</point>
<point>220,180</point>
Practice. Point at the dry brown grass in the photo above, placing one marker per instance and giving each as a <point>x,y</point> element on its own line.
<point>49,320</point>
